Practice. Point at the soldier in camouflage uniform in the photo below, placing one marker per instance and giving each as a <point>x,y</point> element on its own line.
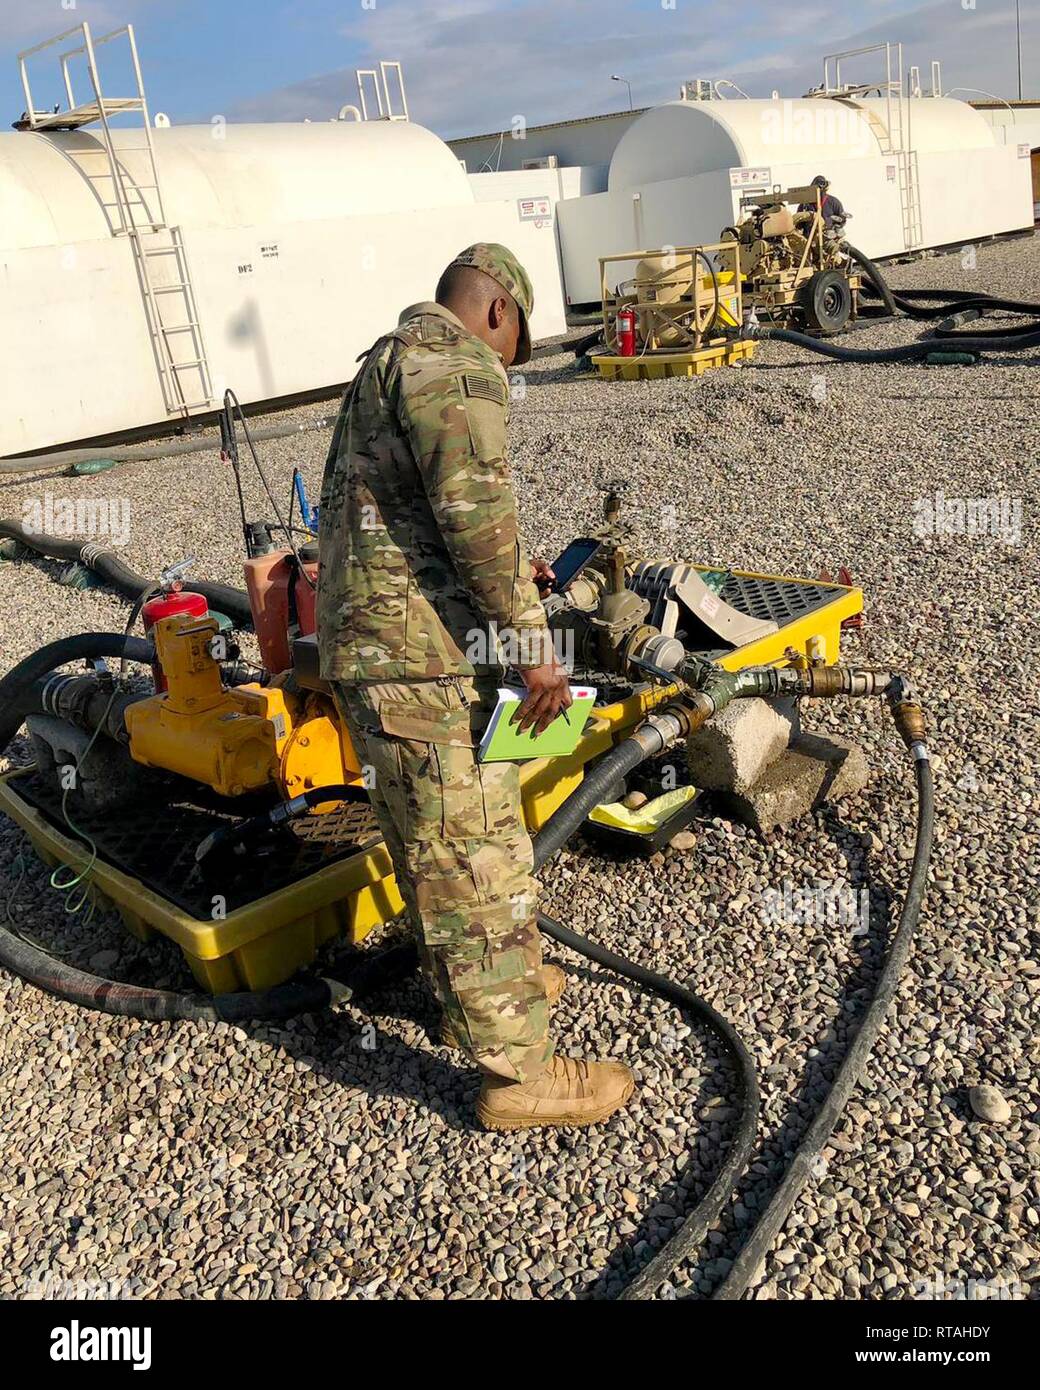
<point>423,585</point>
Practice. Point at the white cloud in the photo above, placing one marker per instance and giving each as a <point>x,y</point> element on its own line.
<point>472,65</point>
<point>24,23</point>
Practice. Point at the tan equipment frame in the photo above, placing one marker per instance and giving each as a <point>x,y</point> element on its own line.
<point>692,314</point>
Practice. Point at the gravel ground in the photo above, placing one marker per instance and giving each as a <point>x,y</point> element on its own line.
<point>337,1157</point>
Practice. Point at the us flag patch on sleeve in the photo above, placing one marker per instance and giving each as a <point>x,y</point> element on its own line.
<point>484,388</point>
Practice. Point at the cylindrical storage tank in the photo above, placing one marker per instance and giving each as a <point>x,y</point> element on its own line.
<point>303,243</point>
<point>685,138</point>
<point>55,189</point>
<point>937,124</point>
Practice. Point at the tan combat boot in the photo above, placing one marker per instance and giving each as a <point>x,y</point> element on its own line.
<point>567,1093</point>
<point>555,982</point>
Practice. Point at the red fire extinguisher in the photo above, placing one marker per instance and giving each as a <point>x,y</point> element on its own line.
<point>171,601</point>
<point>626,333</point>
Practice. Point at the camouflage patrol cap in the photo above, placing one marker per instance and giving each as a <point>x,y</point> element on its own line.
<point>500,263</point>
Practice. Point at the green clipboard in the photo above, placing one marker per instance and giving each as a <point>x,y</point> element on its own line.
<point>503,741</point>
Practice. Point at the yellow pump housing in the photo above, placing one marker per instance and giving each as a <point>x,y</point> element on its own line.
<point>233,740</point>
<point>263,942</point>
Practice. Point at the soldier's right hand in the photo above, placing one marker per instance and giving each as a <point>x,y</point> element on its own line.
<point>548,694</point>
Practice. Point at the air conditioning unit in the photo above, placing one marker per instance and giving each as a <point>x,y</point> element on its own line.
<point>547,161</point>
<point>698,89</point>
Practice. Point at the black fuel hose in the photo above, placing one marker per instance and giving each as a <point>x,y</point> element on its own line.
<point>303,995</point>
<point>17,686</point>
<point>66,459</point>
<point>107,565</point>
<point>768,1225</point>
<point>908,352</point>
<point>950,330</point>
<point>596,786</point>
<point>874,277</point>
<point>687,1240</point>
<point>902,302</point>
<point>690,1236</point>
<point>942,301</point>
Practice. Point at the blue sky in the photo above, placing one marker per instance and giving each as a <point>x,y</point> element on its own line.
<point>471,65</point>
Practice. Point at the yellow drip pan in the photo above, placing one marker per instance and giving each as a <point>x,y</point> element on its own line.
<point>655,365</point>
<point>343,885</point>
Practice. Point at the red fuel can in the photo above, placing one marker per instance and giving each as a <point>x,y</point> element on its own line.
<point>626,332</point>
<point>168,606</point>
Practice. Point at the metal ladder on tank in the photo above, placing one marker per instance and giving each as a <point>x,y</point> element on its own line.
<point>135,209</point>
<point>893,132</point>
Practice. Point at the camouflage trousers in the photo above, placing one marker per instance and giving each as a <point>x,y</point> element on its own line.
<point>463,861</point>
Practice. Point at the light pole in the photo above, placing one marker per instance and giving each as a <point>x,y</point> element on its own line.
<point>1018,39</point>
<point>615,78</point>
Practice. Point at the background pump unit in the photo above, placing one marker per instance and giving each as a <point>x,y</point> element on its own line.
<point>794,267</point>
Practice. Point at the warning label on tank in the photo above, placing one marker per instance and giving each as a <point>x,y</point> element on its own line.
<point>744,178</point>
<point>534,209</point>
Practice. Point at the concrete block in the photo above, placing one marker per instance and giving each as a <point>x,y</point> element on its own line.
<point>812,771</point>
<point>733,750</point>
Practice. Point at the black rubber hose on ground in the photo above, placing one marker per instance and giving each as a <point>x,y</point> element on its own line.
<point>875,277</point>
<point>902,302</point>
<point>908,352</point>
<point>221,597</point>
<point>615,765</point>
<point>942,301</point>
<point>17,686</point>
<point>768,1225</point>
<point>159,1005</point>
<point>691,1235</point>
<point>108,566</point>
<point>951,331</point>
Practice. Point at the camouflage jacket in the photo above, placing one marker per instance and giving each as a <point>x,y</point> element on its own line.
<point>420,551</point>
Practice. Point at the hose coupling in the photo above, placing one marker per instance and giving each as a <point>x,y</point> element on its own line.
<point>699,709</point>
<point>661,729</point>
<point>907,714</point>
<point>826,682</point>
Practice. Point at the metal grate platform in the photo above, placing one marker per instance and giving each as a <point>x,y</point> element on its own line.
<point>158,846</point>
<point>782,600</point>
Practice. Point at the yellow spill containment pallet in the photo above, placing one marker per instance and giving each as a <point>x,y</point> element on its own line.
<point>265,941</point>
<point>653,366</point>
